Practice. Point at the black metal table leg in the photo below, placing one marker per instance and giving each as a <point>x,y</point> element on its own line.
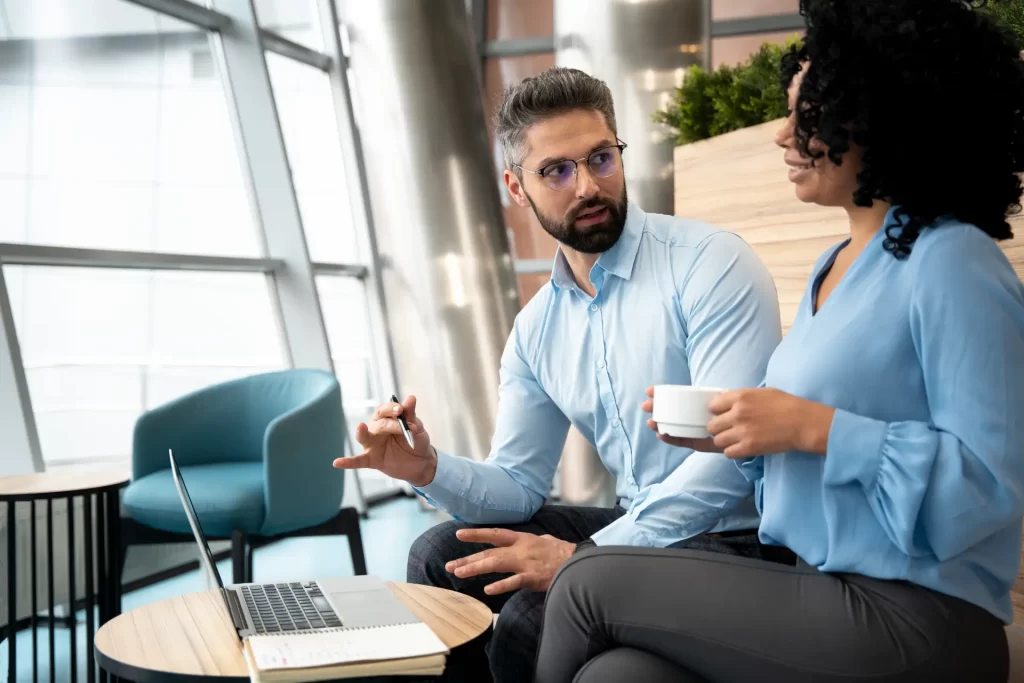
<point>90,588</point>
<point>101,560</point>
<point>101,556</point>
<point>49,588</point>
<point>12,593</point>
<point>72,625</point>
<point>35,593</point>
<point>114,550</point>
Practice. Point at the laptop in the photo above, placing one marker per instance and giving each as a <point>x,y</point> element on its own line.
<point>297,607</point>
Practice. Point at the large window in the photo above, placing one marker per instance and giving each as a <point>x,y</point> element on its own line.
<point>306,110</point>
<point>118,135</point>
<point>119,140</point>
<point>101,346</point>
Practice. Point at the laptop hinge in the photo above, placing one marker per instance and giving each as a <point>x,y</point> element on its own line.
<point>234,609</point>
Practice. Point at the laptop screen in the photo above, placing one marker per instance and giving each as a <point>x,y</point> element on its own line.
<point>205,556</point>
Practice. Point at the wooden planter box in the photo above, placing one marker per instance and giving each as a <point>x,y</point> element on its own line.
<point>738,182</point>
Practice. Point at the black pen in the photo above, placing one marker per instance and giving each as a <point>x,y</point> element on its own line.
<point>405,425</point>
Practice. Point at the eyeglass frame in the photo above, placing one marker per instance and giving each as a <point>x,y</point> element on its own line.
<point>576,165</point>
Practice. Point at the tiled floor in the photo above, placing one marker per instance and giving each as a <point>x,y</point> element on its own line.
<point>387,534</point>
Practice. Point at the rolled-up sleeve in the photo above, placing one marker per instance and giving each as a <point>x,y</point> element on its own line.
<point>514,481</point>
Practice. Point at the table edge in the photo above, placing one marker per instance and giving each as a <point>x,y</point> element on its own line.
<point>69,493</point>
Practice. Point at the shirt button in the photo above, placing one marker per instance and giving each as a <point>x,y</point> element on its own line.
<point>615,423</point>
<point>593,307</point>
<point>600,364</point>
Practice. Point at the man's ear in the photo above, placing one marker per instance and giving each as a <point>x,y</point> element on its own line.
<point>515,188</point>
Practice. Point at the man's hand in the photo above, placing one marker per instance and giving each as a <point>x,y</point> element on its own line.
<point>533,560</point>
<point>387,450</point>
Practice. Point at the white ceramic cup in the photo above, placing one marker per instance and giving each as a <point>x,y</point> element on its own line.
<point>682,411</point>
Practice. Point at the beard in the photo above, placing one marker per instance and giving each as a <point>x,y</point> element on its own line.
<point>593,239</point>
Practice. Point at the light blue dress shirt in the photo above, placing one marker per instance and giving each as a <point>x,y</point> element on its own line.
<point>677,302</point>
<point>923,479</point>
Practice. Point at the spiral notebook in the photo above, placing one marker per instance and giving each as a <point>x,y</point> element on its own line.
<point>400,649</point>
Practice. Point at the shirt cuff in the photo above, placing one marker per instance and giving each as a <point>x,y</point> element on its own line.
<point>623,531</point>
<point>854,450</point>
<point>449,481</point>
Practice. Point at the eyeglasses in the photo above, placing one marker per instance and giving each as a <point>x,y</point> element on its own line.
<point>561,175</point>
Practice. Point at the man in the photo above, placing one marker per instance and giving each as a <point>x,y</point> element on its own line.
<point>634,299</point>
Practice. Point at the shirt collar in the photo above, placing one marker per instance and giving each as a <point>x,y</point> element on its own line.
<point>618,260</point>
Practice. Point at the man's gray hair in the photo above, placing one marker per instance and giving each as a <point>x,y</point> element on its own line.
<point>557,90</point>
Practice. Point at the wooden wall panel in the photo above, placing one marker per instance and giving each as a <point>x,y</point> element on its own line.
<point>738,182</point>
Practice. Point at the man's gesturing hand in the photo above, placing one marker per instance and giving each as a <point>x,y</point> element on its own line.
<point>387,450</point>
<point>532,560</point>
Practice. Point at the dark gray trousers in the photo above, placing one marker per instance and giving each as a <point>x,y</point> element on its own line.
<point>690,616</point>
<point>511,653</point>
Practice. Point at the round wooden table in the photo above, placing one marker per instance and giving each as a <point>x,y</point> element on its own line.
<point>190,638</point>
<point>101,559</point>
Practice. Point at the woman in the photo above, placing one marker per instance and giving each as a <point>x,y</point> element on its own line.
<point>886,447</point>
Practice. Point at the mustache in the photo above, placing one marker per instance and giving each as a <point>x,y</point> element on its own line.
<point>593,203</point>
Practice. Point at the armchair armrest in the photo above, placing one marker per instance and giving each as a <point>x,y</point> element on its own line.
<point>301,486</point>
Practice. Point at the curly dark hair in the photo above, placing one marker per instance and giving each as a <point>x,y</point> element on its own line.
<point>933,93</point>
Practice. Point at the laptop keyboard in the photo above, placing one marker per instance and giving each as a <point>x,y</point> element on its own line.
<point>276,607</point>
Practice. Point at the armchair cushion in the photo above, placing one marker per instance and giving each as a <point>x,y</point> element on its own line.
<point>227,496</point>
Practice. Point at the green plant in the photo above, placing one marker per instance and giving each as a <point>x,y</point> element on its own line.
<point>1009,13</point>
<point>709,103</point>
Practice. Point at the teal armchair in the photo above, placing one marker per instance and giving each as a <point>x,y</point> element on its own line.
<point>256,456</point>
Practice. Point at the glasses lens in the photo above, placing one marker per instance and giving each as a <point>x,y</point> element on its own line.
<point>560,176</point>
<point>604,162</point>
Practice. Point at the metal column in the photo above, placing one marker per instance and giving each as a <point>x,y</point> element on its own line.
<point>446,270</point>
<point>641,50</point>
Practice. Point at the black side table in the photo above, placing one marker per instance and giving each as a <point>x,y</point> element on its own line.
<point>99,492</point>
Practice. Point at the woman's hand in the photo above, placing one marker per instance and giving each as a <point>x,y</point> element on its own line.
<point>752,422</point>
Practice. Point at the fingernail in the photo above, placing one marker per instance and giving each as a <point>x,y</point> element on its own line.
<point>395,410</point>
<point>448,567</point>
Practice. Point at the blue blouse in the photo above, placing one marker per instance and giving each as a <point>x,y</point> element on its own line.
<point>923,360</point>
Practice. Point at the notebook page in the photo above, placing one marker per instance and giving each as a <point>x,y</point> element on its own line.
<point>341,646</point>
